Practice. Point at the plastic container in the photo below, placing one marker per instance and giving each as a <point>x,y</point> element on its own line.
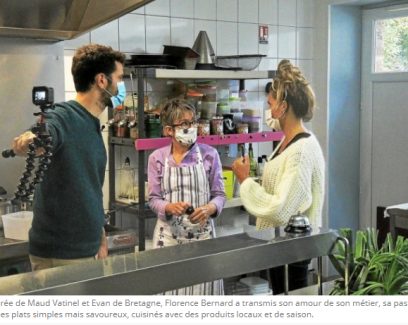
<point>234,103</point>
<point>242,128</point>
<point>223,108</point>
<point>208,109</point>
<point>254,123</point>
<point>203,127</point>
<point>153,127</point>
<point>237,117</point>
<point>217,126</point>
<point>16,225</point>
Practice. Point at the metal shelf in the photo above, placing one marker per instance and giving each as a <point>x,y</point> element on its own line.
<point>213,140</point>
<point>210,74</point>
<point>122,141</point>
<point>141,145</point>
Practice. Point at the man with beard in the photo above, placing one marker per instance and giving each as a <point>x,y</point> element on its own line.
<point>68,209</point>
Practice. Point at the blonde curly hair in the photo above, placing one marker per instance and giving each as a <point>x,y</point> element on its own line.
<point>291,86</point>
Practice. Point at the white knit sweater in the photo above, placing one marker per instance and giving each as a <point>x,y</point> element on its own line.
<point>292,182</point>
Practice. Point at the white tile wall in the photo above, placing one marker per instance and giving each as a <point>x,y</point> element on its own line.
<point>132,34</point>
<point>182,32</point>
<point>107,34</point>
<point>304,43</point>
<point>248,11</point>
<point>268,12</point>
<point>305,13</point>
<point>157,33</point>
<point>232,26</point>
<point>227,38</point>
<point>248,38</point>
<point>287,12</point>
<point>287,42</point>
<point>158,8</point>
<point>205,9</point>
<point>182,8</point>
<point>227,10</point>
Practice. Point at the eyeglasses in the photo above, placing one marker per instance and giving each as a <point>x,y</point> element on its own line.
<point>185,125</point>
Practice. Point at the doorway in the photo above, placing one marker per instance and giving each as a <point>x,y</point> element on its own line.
<point>384,111</point>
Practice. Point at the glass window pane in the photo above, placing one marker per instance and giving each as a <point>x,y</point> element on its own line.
<point>391,45</point>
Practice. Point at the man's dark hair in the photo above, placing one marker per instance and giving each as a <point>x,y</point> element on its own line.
<point>89,60</point>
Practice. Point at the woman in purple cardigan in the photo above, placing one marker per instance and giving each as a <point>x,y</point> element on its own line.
<point>186,188</point>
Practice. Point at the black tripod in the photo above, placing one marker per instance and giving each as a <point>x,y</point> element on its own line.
<point>32,175</point>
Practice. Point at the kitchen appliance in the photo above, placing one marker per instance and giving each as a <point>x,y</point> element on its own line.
<point>298,224</point>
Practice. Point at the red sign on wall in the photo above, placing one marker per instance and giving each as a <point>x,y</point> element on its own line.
<point>263,34</point>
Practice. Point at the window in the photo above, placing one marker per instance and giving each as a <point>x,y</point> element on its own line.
<point>391,44</point>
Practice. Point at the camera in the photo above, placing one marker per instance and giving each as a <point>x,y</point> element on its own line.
<point>43,96</point>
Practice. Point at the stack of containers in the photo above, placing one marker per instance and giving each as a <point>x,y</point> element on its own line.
<point>208,102</point>
<point>252,115</point>
<point>256,285</point>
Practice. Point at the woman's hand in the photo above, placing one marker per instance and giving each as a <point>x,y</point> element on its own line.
<point>201,214</point>
<point>176,209</point>
<point>240,167</point>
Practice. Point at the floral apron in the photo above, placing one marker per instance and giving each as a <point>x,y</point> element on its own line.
<point>188,184</point>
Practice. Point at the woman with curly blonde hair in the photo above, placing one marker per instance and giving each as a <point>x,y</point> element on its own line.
<point>293,179</point>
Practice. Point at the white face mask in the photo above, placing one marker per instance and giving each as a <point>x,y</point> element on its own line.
<point>273,123</point>
<point>186,137</point>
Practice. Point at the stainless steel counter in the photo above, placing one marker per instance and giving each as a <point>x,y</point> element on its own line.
<point>11,248</point>
<point>156,271</point>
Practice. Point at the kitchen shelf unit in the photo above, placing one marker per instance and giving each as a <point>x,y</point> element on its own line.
<point>142,144</point>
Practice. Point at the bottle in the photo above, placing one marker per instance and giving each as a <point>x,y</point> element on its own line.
<point>252,162</point>
<point>127,180</point>
<point>260,166</point>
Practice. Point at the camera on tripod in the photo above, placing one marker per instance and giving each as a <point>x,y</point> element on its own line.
<point>43,96</point>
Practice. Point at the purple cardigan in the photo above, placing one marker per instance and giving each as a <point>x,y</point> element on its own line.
<point>212,165</point>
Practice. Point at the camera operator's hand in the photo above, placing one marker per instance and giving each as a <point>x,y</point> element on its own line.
<point>20,144</point>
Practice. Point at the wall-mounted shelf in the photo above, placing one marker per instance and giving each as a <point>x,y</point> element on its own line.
<point>122,141</point>
<point>213,140</point>
<point>209,74</point>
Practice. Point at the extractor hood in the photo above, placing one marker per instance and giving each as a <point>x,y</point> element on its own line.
<point>59,19</point>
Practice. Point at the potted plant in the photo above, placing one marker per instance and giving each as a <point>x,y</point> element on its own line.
<point>373,270</point>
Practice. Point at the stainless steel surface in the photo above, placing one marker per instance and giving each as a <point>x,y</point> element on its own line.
<point>11,248</point>
<point>203,47</point>
<point>209,74</point>
<point>148,272</point>
<point>59,19</point>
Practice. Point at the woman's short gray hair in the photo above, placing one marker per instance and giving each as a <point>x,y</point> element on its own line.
<point>174,110</point>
